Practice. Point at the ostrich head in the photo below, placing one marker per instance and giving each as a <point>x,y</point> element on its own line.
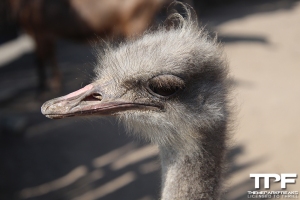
<point>168,86</point>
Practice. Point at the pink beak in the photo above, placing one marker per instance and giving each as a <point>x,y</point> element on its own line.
<point>90,100</point>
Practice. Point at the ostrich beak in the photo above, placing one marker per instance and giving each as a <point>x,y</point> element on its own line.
<point>90,100</point>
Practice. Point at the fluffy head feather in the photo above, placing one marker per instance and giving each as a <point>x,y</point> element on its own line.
<point>182,56</point>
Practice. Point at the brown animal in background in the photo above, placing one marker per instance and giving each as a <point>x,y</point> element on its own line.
<point>46,20</point>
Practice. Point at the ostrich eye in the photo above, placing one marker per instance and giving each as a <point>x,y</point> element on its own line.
<point>165,85</point>
<point>163,91</point>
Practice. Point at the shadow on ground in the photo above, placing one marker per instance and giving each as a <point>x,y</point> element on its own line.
<point>237,9</point>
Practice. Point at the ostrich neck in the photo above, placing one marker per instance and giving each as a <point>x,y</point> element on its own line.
<point>193,175</point>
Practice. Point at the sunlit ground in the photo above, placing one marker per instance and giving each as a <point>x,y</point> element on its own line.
<point>268,91</point>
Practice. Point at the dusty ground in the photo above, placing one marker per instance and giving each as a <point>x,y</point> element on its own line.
<point>92,159</point>
<point>268,91</point>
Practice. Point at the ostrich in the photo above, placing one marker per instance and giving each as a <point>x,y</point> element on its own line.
<point>169,87</point>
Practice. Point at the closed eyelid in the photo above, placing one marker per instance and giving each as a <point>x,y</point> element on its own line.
<point>167,81</point>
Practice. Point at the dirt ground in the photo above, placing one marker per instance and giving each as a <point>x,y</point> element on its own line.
<point>264,57</point>
<point>42,159</point>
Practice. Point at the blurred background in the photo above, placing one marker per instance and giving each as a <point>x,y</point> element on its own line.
<point>46,51</point>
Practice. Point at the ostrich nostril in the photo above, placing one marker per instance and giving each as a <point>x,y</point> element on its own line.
<point>97,96</point>
<point>93,97</point>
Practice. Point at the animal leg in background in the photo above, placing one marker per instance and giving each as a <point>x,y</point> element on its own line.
<point>45,52</point>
